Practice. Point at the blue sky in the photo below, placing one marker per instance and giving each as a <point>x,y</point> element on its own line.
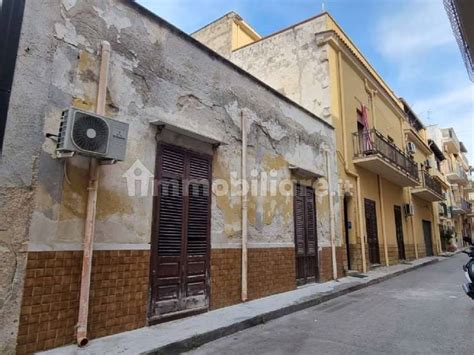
<point>409,42</point>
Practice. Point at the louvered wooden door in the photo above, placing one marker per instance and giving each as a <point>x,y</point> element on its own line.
<point>305,235</point>
<point>371,229</point>
<point>399,232</point>
<point>180,239</point>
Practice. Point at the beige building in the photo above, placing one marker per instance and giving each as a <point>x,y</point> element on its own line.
<point>388,186</point>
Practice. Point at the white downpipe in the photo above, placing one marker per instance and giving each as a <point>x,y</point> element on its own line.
<point>89,226</point>
<point>331,218</point>
<point>244,295</point>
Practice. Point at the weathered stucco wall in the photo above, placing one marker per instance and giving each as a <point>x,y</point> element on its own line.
<point>156,73</point>
<point>218,34</point>
<point>293,63</point>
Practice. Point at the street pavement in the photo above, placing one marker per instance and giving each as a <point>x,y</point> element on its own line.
<point>421,312</point>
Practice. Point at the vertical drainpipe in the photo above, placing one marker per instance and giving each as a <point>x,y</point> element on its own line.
<point>331,217</point>
<point>244,295</point>
<point>92,188</point>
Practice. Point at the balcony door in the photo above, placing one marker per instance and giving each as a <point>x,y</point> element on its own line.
<point>305,235</point>
<point>371,229</point>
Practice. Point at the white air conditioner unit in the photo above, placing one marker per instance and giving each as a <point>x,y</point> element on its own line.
<point>409,209</point>
<point>92,135</point>
<point>411,148</point>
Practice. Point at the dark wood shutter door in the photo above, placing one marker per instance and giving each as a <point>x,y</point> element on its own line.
<point>300,243</point>
<point>427,237</point>
<point>311,248</point>
<point>305,234</point>
<point>399,231</point>
<point>180,241</point>
<point>197,241</point>
<point>371,229</point>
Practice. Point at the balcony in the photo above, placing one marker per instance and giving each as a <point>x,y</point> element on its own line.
<point>444,211</point>
<point>465,205</point>
<point>374,152</point>
<point>462,206</point>
<point>430,189</point>
<point>457,176</point>
<point>451,140</point>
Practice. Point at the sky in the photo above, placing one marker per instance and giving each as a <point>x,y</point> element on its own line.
<point>409,42</point>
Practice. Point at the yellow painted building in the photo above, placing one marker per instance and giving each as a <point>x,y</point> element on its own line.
<point>389,184</point>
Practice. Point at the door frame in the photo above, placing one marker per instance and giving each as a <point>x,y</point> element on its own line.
<point>151,320</point>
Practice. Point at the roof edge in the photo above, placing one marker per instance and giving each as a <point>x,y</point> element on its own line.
<point>144,11</point>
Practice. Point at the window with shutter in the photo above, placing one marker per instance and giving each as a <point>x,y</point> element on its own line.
<point>180,241</point>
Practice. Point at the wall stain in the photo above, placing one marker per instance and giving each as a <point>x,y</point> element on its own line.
<point>75,198</point>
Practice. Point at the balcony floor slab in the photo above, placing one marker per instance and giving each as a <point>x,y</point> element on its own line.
<point>386,169</point>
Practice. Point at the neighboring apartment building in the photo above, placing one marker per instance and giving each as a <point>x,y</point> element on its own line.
<point>388,189</point>
<point>155,257</point>
<point>457,169</point>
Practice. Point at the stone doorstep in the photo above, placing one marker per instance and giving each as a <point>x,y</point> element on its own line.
<point>188,333</point>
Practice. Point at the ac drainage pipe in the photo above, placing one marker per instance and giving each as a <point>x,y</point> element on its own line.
<point>89,226</point>
<point>331,218</point>
<point>244,207</point>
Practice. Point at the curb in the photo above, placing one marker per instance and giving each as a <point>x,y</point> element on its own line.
<point>201,339</point>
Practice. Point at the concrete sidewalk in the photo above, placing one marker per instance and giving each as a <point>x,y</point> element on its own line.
<point>185,334</point>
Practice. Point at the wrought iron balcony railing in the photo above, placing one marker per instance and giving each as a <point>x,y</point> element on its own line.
<point>372,142</point>
<point>465,205</point>
<point>430,183</point>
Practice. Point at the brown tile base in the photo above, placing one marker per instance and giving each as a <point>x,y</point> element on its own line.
<point>325,263</point>
<point>50,304</point>
<point>271,270</point>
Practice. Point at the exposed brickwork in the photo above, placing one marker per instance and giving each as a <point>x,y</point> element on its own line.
<point>271,270</point>
<point>225,277</point>
<point>51,296</point>
<point>392,254</point>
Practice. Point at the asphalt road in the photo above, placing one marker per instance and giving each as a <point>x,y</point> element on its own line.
<point>424,312</point>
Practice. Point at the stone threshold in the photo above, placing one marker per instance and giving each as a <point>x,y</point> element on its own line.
<point>188,333</point>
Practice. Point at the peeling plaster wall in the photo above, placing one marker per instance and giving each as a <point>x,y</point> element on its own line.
<point>293,63</point>
<point>156,73</point>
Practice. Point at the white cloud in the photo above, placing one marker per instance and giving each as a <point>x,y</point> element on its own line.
<point>416,27</point>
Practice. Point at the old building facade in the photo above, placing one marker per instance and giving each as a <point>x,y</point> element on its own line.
<point>156,256</point>
<point>388,187</point>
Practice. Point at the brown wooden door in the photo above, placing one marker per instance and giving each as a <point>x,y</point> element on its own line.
<point>180,236</point>
<point>305,235</point>
<point>371,229</point>
<point>399,232</point>
<point>427,237</point>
